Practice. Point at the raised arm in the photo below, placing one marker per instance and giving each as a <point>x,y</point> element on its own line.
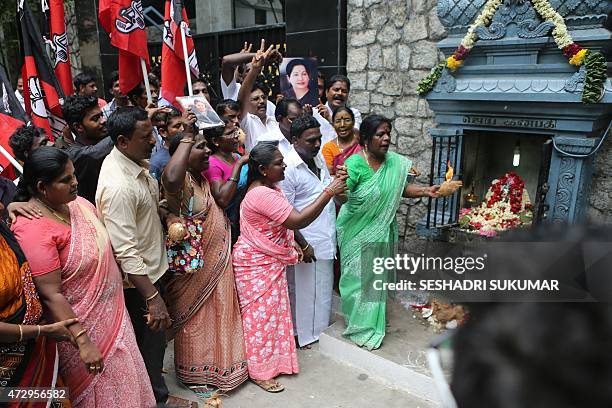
<point>173,176</point>
<point>224,192</point>
<point>230,62</point>
<point>258,61</point>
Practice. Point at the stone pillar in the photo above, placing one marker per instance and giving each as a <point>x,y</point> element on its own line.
<point>569,180</point>
<point>214,15</point>
<point>317,28</point>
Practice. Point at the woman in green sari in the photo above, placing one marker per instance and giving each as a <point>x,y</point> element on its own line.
<point>367,228</point>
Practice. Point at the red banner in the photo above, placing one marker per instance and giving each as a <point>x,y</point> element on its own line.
<point>124,21</point>
<point>174,77</point>
<point>41,90</point>
<point>58,41</point>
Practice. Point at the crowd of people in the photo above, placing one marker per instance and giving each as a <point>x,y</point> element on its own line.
<point>137,228</point>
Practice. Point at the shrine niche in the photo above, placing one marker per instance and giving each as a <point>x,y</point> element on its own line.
<point>520,107</point>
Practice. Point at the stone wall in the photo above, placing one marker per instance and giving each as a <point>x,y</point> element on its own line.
<point>391,46</point>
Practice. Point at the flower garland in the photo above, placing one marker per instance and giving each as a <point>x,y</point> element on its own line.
<point>506,206</point>
<point>594,62</point>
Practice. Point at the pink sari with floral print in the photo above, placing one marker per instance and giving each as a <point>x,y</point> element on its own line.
<point>92,284</point>
<point>261,255</point>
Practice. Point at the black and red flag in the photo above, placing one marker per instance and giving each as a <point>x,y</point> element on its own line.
<point>41,90</point>
<point>173,71</point>
<point>124,21</point>
<point>58,43</point>
<point>12,117</point>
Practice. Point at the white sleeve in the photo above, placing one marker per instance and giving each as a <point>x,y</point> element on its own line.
<point>328,132</point>
<point>357,118</point>
<point>247,125</point>
<point>230,91</point>
<point>271,109</point>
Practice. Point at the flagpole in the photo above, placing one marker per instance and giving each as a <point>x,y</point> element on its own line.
<point>145,76</point>
<point>11,159</point>
<point>186,58</point>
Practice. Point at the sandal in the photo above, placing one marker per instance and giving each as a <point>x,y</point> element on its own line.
<point>177,402</point>
<point>272,386</point>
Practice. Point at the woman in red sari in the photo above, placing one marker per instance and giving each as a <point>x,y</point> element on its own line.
<point>264,249</point>
<point>76,275</point>
<point>346,143</point>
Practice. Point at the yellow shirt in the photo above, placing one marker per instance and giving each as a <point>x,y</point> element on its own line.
<point>127,199</point>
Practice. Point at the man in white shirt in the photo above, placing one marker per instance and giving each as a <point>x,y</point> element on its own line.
<point>253,98</point>
<point>286,111</point>
<point>311,282</point>
<point>337,92</point>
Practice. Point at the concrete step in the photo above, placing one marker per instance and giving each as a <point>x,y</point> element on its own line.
<point>400,362</point>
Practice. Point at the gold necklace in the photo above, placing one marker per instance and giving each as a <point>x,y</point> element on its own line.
<point>54,213</point>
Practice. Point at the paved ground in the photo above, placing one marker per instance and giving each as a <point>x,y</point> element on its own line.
<point>322,383</point>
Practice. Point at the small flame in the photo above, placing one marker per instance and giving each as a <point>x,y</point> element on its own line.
<point>450,172</point>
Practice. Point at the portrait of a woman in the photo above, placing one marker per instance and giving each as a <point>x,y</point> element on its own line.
<point>300,82</point>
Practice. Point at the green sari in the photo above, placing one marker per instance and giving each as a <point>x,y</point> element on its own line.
<point>367,228</point>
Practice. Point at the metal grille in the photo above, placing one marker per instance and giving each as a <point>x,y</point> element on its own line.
<point>447,148</point>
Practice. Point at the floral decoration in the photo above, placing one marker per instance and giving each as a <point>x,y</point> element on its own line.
<point>506,206</point>
<point>578,56</point>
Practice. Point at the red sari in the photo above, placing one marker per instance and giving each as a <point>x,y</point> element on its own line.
<point>261,255</point>
<point>92,284</point>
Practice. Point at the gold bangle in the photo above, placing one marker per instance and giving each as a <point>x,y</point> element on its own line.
<point>38,333</point>
<point>306,247</point>
<point>329,191</point>
<point>79,334</point>
<point>190,141</point>
<point>152,296</point>
<point>20,333</point>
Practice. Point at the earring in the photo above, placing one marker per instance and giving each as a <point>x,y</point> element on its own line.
<point>265,174</point>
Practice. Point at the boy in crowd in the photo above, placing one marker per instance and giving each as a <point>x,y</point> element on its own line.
<point>91,143</point>
<point>85,85</point>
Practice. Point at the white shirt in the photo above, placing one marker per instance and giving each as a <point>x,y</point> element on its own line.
<point>254,128</point>
<point>355,112</point>
<point>302,187</point>
<point>20,99</point>
<point>277,136</point>
<point>231,90</point>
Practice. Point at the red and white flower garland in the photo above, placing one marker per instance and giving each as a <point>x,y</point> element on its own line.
<point>506,206</point>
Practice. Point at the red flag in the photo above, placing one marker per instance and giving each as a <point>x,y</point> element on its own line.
<point>58,42</point>
<point>12,116</point>
<point>8,126</point>
<point>124,21</point>
<point>41,89</point>
<point>173,58</point>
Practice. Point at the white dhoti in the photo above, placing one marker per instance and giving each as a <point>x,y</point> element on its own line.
<point>310,292</point>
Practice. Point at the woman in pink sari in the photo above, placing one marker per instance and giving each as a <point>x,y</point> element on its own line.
<point>76,275</point>
<point>264,249</point>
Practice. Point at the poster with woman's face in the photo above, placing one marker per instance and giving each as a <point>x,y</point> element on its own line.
<point>205,114</point>
<point>299,80</point>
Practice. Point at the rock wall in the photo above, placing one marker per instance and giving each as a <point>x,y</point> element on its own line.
<point>391,46</point>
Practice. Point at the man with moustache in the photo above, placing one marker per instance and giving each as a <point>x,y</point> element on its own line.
<point>127,199</point>
<point>91,143</point>
<point>337,92</point>
<point>310,281</point>
<point>253,98</point>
